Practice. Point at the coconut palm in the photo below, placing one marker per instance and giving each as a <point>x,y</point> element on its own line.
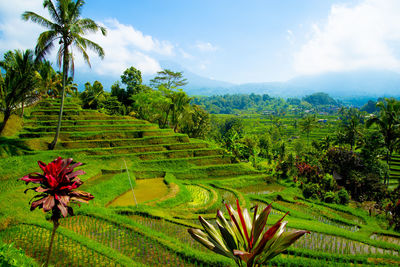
<point>307,124</point>
<point>51,80</point>
<point>68,29</point>
<point>388,123</point>
<point>19,83</point>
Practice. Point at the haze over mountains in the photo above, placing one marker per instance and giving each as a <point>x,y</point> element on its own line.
<point>339,85</point>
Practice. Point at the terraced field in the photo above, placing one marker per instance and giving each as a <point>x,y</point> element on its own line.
<point>175,179</point>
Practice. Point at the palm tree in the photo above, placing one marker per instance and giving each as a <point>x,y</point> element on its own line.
<point>350,127</point>
<point>51,80</point>
<point>19,82</point>
<point>66,28</point>
<point>180,102</point>
<point>388,124</point>
<point>307,124</point>
<point>93,95</point>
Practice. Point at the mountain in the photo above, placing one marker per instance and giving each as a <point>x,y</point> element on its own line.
<point>341,85</point>
<point>364,84</point>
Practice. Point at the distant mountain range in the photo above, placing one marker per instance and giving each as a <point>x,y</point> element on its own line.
<point>340,85</point>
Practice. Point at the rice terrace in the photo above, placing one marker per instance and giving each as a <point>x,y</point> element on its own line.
<point>165,167</point>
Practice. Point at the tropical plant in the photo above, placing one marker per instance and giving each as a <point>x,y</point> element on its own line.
<point>196,123</point>
<point>180,102</point>
<point>388,124</point>
<point>93,95</point>
<point>245,239</point>
<point>51,80</point>
<point>67,28</point>
<point>56,191</point>
<point>350,126</point>
<point>307,124</point>
<point>19,83</point>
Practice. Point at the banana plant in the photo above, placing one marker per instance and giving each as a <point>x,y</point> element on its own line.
<point>245,239</point>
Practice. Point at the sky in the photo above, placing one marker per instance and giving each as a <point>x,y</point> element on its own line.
<point>229,40</point>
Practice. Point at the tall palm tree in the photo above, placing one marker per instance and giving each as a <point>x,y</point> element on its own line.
<point>68,29</point>
<point>350,127</point>
<point>19,83</point>
<point>307,124</point>
<point>388,123</point>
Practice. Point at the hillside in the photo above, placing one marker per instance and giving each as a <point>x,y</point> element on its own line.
<point>175,179</point>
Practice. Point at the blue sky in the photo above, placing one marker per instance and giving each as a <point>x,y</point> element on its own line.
<point>234,41</point>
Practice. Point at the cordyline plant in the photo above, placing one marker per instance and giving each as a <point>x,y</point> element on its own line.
<point>56,191</point>
<point>243,239</point>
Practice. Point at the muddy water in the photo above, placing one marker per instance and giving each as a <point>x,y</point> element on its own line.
<point>145,190</point>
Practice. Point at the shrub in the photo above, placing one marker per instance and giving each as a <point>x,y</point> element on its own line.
<point>343,196</point>
<point>329,197</point>
<point>311,190</point>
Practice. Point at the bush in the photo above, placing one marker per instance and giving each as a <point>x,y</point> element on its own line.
<point>328,183</point>
<point>343,196</point>
<point>329,197</point>
<point>311,190</point>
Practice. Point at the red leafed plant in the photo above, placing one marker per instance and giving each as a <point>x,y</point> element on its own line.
<point>56,190</point>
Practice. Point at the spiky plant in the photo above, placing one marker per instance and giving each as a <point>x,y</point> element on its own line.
<point>245,239</point>
<point>56,190</point>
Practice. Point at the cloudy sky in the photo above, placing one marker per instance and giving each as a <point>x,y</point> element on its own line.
<point>236,41</point>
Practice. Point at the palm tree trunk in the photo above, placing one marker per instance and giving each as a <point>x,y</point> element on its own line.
<point>7,115</point>
<point>65,74</point>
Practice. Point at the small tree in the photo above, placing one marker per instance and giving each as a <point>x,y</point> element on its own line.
<point>169,79</point>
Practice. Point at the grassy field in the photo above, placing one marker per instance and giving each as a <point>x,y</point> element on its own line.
<point>175,179</point>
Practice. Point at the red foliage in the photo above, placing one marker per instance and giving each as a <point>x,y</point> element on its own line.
<point>57,184</point>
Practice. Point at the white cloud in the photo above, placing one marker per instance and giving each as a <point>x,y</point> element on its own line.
<point>290,37</point>
<point>206,47</point>
<point>185,54</point>
<point>14,32</point>
<point>366,35</point>
<point>124,45</point>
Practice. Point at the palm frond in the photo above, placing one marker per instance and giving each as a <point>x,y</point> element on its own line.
<point>93,46</point>
<point>81,47</point>
<point>45,43</point>
<point>28,15</point>
<point>52,10</point>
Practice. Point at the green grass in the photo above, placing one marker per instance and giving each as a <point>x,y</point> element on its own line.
<point>175,180</point>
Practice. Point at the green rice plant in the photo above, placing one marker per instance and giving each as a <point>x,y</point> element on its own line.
<point>32,240</point>
<point>11,256</point>
<point>199,195</point>
<point>126,241</point>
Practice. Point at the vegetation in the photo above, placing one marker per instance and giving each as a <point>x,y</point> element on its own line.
<point>19,84</point>
<point>55,189</point>
<point>68,29</point>
<point>242,238</point>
